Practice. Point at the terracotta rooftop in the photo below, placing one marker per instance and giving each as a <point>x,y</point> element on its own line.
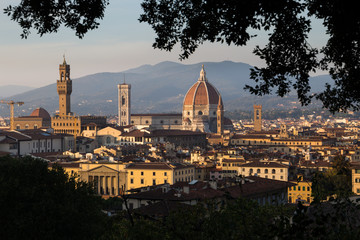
<point>174,133</point>
<point>41,112</point>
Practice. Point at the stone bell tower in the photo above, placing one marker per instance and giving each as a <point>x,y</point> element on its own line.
<point>124,104</point>
<point>64,88</point>
<point>220,117</point>
<point>257,118</point>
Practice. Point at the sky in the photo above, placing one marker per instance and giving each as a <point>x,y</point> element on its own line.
<point>121,42</point>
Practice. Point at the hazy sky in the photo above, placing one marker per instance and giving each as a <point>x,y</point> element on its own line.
<point>120,43</point>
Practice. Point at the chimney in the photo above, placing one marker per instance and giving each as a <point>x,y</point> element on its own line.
<point>186,189</point>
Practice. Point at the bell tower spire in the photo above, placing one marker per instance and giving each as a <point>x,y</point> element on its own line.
<point>220,117</point>
<point>64,88</point>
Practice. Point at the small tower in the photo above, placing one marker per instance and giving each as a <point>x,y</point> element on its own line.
<point>220,117</point>
<point>283,131</point>
<point>257,118</point>
<point>64,88</point>
<point>124,104</point>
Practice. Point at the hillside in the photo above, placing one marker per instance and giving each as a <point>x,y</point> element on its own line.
<point>155,88</point>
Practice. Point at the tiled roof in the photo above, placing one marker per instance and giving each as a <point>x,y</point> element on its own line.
<point>264,164</point>
<point>257,186</point>
<point>156,133</point>
<point>15,135</point>
<point>201,93</point>
<point>162,166</point>
<point>158,115</point>
<point>136,133</point>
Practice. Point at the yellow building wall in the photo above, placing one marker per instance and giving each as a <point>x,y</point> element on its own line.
<point>147,177</point>
<point>355,181</point>
<point>302,192</point>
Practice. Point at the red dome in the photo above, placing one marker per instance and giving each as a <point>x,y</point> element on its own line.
<point>40,112</point>
<point>202,92</point>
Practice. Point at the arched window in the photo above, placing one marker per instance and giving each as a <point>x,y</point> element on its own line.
<point>266,171</point>
<point>258,171</point>
<point>200,113</point>
<point>251,170</point>
<point>273,171</point>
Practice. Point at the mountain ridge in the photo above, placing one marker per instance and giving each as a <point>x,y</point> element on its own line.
<point>155,88</point>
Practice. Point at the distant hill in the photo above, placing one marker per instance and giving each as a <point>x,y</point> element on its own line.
<point>155,88</point>
<point>10,90</point>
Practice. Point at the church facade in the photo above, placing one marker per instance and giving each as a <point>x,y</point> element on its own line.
<point>203,111</point>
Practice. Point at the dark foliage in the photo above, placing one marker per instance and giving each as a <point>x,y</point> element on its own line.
<point>289,57</point>
<point>38,203</point>
<point>334,183</point>
<point>46,16</point>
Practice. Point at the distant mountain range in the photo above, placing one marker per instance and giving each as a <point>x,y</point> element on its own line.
<point>154,88</point>
<point>10,90</point>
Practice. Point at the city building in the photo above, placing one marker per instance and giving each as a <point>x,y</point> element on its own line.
<point>65,121</point>
<point>265,169</point>
<point>39,118</point>
<point>301,192</point>
<point>109,179</point>
<point>203,110</point>
<point>148,174</point>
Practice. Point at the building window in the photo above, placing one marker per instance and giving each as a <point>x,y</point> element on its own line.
<point>131,173</point>
<point>165,181</point>
<point>154,181</point>
<point>266,171</point>
<point>142,181</point>
<point>131,180</point>
<point>154,173</point>
<point>200,113</point>
<point>258,171</point>
<point>142,173</point>
<point>273,171</point>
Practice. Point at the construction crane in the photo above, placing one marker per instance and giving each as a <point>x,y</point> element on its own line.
<point>11,104</point>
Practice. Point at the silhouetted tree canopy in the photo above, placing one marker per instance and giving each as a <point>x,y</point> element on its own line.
<point>288,56</point>
<point>39,203</point>
<point>334,183</point>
